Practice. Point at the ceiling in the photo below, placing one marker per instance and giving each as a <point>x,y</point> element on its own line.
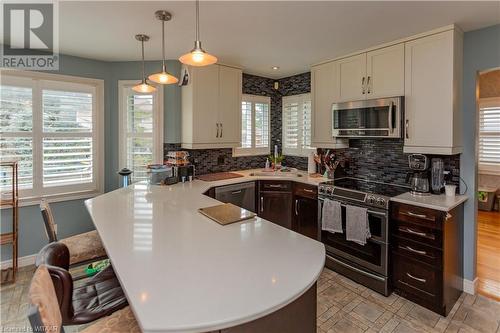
<point>257,35</point>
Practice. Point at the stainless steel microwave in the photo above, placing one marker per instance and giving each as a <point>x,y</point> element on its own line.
<point>375,118</point>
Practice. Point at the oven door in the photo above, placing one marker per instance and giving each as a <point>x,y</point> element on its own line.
<point>373,255</point>
<point>370,118</point>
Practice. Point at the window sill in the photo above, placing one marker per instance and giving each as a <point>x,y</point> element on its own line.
<point>32,201</point>
<point>242,152</point>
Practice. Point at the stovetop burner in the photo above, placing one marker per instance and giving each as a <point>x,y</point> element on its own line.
<point>371,193</point>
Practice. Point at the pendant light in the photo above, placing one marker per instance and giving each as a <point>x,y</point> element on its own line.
<point>144,86</point>
<point>198,56</point>
<point>163,77</point>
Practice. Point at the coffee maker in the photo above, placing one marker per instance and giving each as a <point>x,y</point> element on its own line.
<point>419,176</point>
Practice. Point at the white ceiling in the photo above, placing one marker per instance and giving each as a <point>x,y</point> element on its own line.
<point>258,34</point>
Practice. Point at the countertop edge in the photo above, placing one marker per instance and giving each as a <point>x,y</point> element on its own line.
<point>444,208</point>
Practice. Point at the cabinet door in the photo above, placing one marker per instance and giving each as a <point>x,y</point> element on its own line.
<point>386,72</point>
<point>429,95</point>
<point>352,78</point>
<point>276,207</point>
<point>229,104</point>
<point>306,216</point>
<point>205,104</point>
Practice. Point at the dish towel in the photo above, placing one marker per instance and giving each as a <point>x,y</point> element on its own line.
<point>357,226</point>
<point>331,216</point>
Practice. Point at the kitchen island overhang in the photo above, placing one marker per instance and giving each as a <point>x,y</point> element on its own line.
<point>182,272</point>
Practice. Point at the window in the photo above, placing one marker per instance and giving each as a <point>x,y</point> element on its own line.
<point>141,129</point>
<point>255,126</point>
<point>52,125</point>
<point>489,136</point>
<point>297,125</point>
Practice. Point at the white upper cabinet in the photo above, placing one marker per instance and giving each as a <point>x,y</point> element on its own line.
<point>211,104</point>
<point>433,74</point>
<point>375,74</point>
<point>385,72</point>
<point>230,81</point>
<point>351,78</point>
<point>324,92</point>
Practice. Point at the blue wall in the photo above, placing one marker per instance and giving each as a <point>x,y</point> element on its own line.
<point>481,52</point>
<point>71,216</point>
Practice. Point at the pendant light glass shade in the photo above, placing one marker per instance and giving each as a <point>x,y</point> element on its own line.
<point>198,56</point>
<point>163,77</point>
<point>144,86</point>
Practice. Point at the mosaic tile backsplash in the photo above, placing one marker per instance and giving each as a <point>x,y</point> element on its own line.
<point>376,159</point>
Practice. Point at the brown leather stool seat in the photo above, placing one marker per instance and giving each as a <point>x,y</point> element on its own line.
<point>91,299</point>
<point>45,316</point>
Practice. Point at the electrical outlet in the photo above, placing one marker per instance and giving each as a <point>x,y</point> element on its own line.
<point>220,160</point>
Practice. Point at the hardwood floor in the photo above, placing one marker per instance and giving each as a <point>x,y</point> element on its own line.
<point>488,254</point>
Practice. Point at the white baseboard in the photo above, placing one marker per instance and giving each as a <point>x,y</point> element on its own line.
<point>470,286</point>
<point>21,262</point>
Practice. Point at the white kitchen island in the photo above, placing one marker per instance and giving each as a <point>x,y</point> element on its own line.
<point>183,272</point>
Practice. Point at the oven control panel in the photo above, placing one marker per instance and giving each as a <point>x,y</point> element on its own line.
<point>327,190</point>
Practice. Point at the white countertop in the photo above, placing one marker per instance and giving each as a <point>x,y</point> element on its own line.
<point>183,272</point>
<point>432,201</point>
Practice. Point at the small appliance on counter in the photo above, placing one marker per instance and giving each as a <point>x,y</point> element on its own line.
<point>437,175</point>
<point>160,174</point>
<point>184,172</point>
<point>419,176</point>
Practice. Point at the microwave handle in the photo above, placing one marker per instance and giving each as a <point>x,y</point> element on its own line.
<point>391,125</point>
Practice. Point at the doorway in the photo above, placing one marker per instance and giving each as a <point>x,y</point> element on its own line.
<point>488,226</point>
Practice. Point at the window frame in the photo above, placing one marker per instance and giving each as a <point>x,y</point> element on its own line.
<point>38,82</point>
<point>158,125</point>
<point>300,151</point>
<point>486,168</point>
<point>254,151</point>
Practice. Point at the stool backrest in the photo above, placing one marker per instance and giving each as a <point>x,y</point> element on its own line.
<point>48,221</point>
<point>44,314</point>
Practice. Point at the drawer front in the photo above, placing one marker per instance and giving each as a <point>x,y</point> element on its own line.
<point>417,215</point>
<point>417,233</point>
<point>275,186</point>
<point>307,191</point>
<point>417,251</point>
<point>411,276</point>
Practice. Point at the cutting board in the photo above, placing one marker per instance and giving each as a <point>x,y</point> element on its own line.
<point>226,213</point>
<point>212,177</point>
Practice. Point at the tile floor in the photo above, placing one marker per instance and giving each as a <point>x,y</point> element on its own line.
<point>343,306</point>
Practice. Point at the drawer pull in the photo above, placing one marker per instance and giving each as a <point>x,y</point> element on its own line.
<point>418,233</point>
<point>413,250</point>
<point>420,216</point>
<point>274,185</point>
<point>416,278</point>
<point>308,191</point>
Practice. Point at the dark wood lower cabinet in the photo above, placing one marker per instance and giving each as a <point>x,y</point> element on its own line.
<point>275,202</point>
<point>305,210</point>
<point>427,255</point>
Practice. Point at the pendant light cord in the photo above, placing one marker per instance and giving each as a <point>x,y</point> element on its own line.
<point>163,45</point>
<point>197,20</point>
<point>143,68</point>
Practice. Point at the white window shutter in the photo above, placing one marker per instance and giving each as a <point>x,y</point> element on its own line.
<point>489,137</point>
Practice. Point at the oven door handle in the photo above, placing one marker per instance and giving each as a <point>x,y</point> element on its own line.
<point>368,211</point>
<point>355,268</point>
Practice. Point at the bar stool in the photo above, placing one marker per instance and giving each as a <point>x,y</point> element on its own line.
<point>45,316</point>
<point>83,248</point>
<point>96,297</point>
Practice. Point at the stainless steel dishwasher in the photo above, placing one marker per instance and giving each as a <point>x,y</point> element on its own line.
<point>241,195</point>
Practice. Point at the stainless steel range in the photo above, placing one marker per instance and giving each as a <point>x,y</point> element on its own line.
<point>366,264</point>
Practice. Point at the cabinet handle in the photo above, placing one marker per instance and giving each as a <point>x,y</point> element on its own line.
<point>308,190</point>
<point>413,250</point>
<point>221,129</point>
<point>363,85</point>
<point>274,186</point>
<point>368,84</point>
<point>217,135</point>
<point>416,278</point>
<point>261,204</point>
<point>407,124</point>
<point>413,232</point>
<point>420,216</point>
<point>296,207</point>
